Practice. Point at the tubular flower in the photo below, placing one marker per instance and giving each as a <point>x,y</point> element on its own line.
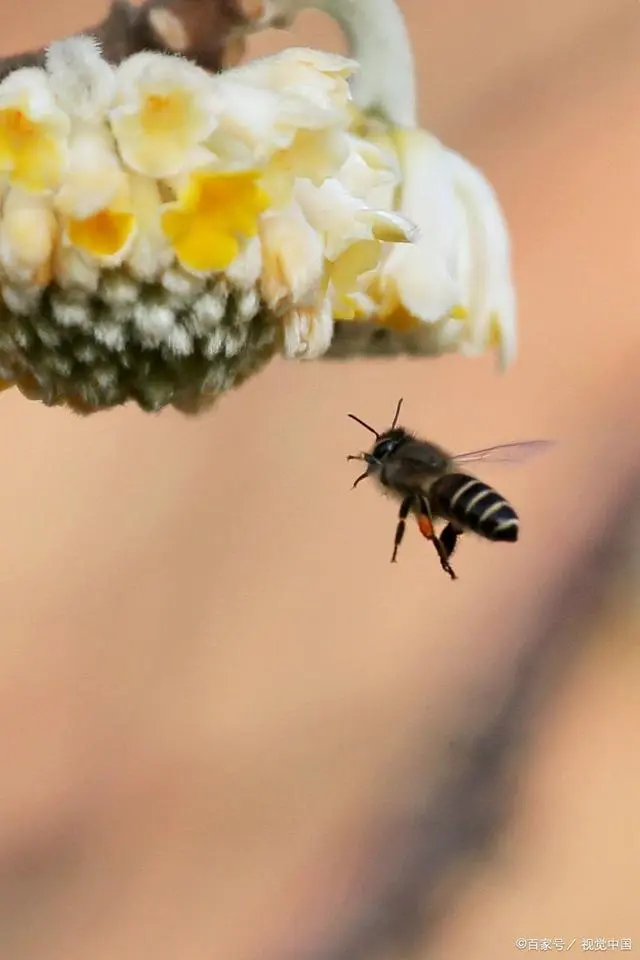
<point>341,218</point>
<point>312,86</point>
<point>349,277</point>
<point>94,175</point>
<point>165,108</point>
<point>33,132</point>
<point>293,258</point>
<point>313,154</point>
<point>150,252</point>
<point>308,331</point>
<point>82,82</point>
<point>215,211</point>
<point>106,234</point>
<point>370,173</point>
<point>27,237</point>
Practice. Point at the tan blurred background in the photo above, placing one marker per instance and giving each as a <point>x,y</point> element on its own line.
<point>215,691</point>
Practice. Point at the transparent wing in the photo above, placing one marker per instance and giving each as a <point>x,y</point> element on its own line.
<point>505,452</point>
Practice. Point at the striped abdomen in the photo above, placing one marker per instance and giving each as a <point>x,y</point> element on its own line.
<point>474,506</point>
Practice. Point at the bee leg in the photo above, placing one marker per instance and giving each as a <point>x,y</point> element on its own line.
<point>425,523</point>
<point>449,538</point>
<point>405,507</point>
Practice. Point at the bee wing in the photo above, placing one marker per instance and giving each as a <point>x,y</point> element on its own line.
<point>505,452</point>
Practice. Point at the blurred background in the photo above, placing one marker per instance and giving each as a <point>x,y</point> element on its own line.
<point>229,729</point>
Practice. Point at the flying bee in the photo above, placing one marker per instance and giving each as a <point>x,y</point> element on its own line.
<point>429,483</point>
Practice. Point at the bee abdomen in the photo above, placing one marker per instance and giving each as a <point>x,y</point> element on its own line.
<point>477,506</point>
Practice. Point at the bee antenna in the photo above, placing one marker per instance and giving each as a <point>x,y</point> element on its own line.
<point>397,413</point>
<point>363,424</point>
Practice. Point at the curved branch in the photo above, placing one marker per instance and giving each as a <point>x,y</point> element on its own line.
<point>377,37</point>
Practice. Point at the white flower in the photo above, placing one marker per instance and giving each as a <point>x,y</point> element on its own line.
<point>313,155</point>
<point>165,109</point>
<point>312,86</point>
<point>33,131</point>
<point>308,331</point>
<point>292,258</point>
<point>370,173</point>
<point>421,279</point>
<point>27,237</point>
<point>82,81</point>
<point>244,272</point>
<point>484,266</point>
<point>341,218</point>
<point>107,234</point>
<point>349,277</point>
<point>94,175</point>
<point>250,127</point>
<point>73,269</point>
<point>150,252</point>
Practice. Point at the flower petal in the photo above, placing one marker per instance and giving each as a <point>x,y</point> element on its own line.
<point>104,235</point>
<point>292,254</point>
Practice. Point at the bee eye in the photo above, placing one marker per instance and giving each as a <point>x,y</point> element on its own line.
<point>384,448</point>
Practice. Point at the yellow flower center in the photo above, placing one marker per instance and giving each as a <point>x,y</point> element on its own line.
<point>213,213</point>
<point>16,129</point>
<point>28,152</point>
<point>162,113</point>
<point>102,235</point>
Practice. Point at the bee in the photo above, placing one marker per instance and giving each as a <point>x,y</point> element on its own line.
<point>429,483</point>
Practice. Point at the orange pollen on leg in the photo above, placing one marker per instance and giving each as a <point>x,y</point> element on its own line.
<point>426,527</point>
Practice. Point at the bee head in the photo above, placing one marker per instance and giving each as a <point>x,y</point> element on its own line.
<point>388,442</point>
<point>385,446</point>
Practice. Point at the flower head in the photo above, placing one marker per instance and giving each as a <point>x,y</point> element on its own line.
<point>214,212</point>
<point>165,108</point>
<point>33,131</point>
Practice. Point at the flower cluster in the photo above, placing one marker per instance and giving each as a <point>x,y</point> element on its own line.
<point>163,231</point>
<point>452,289</point>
